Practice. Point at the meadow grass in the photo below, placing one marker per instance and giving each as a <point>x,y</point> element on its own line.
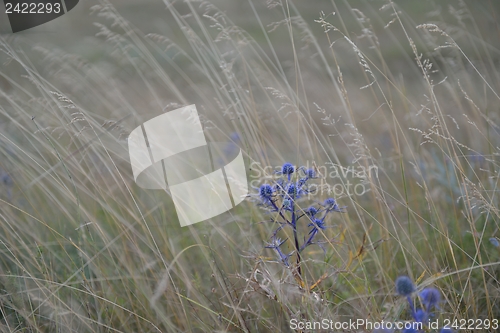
<point>405,111</point>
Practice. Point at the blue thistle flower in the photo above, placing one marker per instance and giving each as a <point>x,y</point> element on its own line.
<point>430,298</point>
<point>291,190</point>
<point>330,204</point>
<point>311,211</point>
<point>310,173</point>
<point>404,286</point>
<point>317,224</point>
<point>287,169</point>
<point>281,197</point>
<point>266,192</point>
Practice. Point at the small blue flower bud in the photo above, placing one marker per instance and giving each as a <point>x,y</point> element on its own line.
<point>331,206</point>
<point>404,286</point>
<point>287,204</point>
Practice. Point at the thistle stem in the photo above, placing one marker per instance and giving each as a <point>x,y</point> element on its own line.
<point>295,238</point>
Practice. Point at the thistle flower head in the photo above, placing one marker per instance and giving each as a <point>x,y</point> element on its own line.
<point>311,211</point>
<point>317,223</point>
<point>291,190</point>
<point>331,205</point>
<point>404,286</point>
<point>430,297</point>
<point>266,191</point>
<point>330,202</point>
<point>287,169</point>
<point>310,173</point>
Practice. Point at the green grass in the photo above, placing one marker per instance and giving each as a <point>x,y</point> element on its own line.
<point>84,249</point>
